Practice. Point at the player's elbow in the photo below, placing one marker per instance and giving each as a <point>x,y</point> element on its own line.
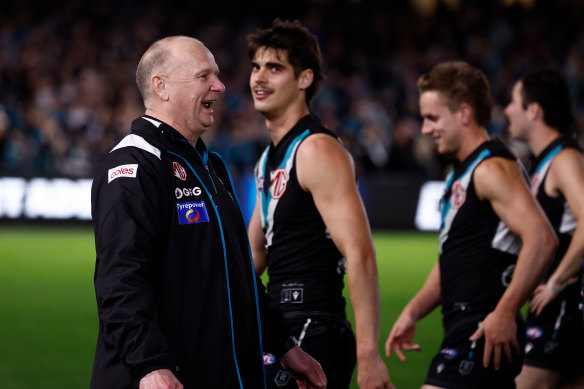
<point>551,242</point>
<point>547,245</point>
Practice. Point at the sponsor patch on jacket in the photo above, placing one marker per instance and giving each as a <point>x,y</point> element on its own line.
<point>192,212</point>
<point>269,359</point>
<point>129,170</point>
<point>180,192</point>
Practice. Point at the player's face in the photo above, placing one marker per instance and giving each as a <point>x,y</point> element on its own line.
<point>274,87</point>
<point>441,123</point>
<point>193,86</point>
<point>516,114</point>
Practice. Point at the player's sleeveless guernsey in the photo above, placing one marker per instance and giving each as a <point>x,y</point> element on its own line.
<point>556,209</point>
<point>556,336</point>
<point>304,266</point>
<point>477,251</point>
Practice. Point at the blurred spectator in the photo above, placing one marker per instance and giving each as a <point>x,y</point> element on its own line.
<point>65,98</point>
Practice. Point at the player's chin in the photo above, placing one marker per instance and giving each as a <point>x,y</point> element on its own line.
<point>261,106</point>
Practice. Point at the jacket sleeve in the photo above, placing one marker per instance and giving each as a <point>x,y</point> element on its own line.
<point>130,228</point>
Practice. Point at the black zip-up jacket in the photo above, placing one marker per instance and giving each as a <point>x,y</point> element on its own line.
<point>174,278</point>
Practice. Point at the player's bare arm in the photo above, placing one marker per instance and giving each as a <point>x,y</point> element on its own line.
<point>501,182</point>
<point>325,169</point>
<point>425,301</point>
<point>257,241</point>
<point>565,178</point>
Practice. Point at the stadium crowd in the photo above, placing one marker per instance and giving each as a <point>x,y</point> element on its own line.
<point>66,98</point>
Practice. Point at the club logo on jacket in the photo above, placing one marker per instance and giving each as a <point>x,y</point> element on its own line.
<point>179,171</point>
<point>279,181</point>
<point>192,212</point>
<point>129,170</point>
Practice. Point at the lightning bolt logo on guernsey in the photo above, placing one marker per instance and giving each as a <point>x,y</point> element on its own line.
<point>279,182</point>
<point>192,212</point>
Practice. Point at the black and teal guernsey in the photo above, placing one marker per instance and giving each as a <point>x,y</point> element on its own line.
<point>560,323</point>
<point>556,209</point>
<point>304,266</point>
<point>477,251</point>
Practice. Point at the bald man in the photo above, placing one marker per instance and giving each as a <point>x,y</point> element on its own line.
<point>179,303</point>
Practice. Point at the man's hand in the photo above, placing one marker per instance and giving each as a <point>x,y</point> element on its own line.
<point>305,369</point>
<point>401,337</point>
<point>372,373</point>
<point>500,332</point>
<point>160,379</point>
<point>544,294</point>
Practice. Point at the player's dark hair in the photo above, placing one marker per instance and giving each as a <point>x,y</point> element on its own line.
<point>300,45</point>
<point>549,89</point>
<point>460,83</point>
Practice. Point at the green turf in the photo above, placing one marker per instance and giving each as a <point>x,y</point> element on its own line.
<point>48,319</point>
<point>404,261</point>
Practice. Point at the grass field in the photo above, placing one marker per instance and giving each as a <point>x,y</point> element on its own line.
<point>48,319</point>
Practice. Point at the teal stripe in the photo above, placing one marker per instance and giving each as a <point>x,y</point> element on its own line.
<point>253,275</point>
<point>446,204</point>
<point>548,157</point>
<point>224,261</point>
<point>204,158</point>
<point>267,198</point>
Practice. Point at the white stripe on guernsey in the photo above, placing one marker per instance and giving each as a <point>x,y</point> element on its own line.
<point>569,222</point>
<point>464,180</point>
<point>259,175</point>
<point>134,140</point>
<point>560,316</point>
<point>506,241</point>
<point>274,202</point>
<point>155,122</point>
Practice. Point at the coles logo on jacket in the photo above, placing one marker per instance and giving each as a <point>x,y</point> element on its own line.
<point>129,170</point>
<point>192,212</point>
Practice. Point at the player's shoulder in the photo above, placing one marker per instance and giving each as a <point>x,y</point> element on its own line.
<point>496,168</point>
<point>569,155</point>
<point>498,177</point>
<point>321,149</point>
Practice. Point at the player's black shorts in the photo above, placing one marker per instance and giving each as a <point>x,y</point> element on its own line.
<point>328,338</point>
<point>555,339</point>
<point>459,363</point>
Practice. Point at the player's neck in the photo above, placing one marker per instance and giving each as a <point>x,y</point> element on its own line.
<point>540,138</point>
<point>475,137</point>
<point>281,124</point>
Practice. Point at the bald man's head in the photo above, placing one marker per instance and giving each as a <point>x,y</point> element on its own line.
<point>156,61</point>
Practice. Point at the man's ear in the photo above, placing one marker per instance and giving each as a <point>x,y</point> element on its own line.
<point>159,87</point>
<point>305,78</point>
<point>534,111</point>
<point>465,113</point>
